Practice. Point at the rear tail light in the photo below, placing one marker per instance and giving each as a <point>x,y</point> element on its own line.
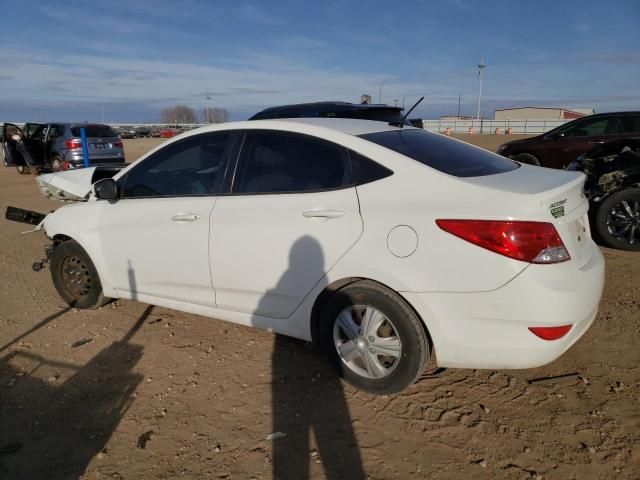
<point>550,333</point>
<point>118,144</point>
<point>73,143</point>
<point>533,242</point>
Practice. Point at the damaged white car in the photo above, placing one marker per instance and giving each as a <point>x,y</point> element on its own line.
<point>383,242</point>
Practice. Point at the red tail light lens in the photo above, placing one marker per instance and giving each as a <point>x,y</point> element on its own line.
<point>550,333</point>
<point>118,144</point>
<point>533,242</point>
<point>73,143</point>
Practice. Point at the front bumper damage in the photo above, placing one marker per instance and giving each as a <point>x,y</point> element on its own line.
<point>30,217</point>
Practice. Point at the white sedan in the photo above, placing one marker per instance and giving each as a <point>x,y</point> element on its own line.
<point>384,244</point>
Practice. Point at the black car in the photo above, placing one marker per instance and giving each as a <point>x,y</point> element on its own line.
<point>362,111</point>
<point>613,189</point>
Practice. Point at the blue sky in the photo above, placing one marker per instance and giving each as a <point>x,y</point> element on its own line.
<point>66,60</point>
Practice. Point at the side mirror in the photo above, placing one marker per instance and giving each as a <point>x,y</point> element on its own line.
<point>106,189</point>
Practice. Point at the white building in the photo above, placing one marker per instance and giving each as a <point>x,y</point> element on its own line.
<point>541,113</point>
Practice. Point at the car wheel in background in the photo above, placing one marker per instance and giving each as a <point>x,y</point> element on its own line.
<point>56,163</point>
<point>75,277</point>
<point>526,158</point>
<point>372,336</point>
<point>617,220</point>
<point>23,169</point>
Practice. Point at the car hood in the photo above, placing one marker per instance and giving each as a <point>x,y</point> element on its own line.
<point>73,185</point>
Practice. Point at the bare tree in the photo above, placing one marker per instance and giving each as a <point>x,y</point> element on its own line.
<point>178,114</point>
<point>214,115</point>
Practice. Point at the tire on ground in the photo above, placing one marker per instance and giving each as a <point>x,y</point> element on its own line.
<point>415,345</point>
<point>56,163</point>
<point>23,169</point>
<point>69,262</point>
<point>629,195</point>
<point>527,158</point>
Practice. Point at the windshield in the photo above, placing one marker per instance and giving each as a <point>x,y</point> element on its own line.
<point>436,151</point>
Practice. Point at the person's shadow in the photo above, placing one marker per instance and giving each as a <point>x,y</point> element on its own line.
<point>307,396</point>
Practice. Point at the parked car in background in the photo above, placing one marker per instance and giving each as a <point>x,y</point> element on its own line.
<point>363,111</point>
<point>58,146</point>
<point>562,145</point>
<point>492,265</point>
<point>143,132</point>
<point>155,133</point>
<point>170,132</point>
<point>126,132</point>
<point>613,188</point>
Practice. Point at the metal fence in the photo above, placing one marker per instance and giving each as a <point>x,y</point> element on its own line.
<point>489,126</point>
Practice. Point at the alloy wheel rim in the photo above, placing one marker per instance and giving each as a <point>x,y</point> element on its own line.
<point>75,276</point>
<point>367,342</point>
<point>623,221</point>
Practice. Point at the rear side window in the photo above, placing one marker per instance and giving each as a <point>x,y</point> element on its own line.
<point>94,131</point>
<point>365,170</point>
<point>273,162</point>
<point>437,151</point>
<point>628,124</point>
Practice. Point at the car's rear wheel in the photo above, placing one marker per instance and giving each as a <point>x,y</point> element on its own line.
<point>56,163</point>
<point>374,338</point>
<point>23,169</point>
<point>617,220</point>
<point>75,277</point>
<point>527,158</point>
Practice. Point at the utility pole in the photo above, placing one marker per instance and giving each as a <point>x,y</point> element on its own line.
<point>103,113</point>
<point>380,91</point>
<point>207,97</point>
<point>459,100</point>
<point>481,67</point>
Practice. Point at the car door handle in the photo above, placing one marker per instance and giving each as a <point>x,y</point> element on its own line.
<point>323,214</point>
<point>600,142</point>
<point>186,217</point>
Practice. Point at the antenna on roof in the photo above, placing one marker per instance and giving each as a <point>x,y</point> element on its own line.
<point>401,122</point>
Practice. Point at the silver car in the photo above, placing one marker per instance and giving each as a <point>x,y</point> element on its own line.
<point>58,146</point>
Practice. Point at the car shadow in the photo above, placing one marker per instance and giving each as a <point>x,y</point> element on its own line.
<point>52,430</point>
<point>308,396</point>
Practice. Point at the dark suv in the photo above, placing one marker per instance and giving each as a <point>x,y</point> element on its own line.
<point>379,112</point>
<point>562,145</point>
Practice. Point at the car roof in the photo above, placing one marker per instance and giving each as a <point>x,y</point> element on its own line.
<point>327,106</point>
<point>349,126</point>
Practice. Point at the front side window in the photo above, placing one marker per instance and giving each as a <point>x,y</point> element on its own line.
<point>194,166</point>
<point>586,128</point>
<point>274,162</point>
<point>437,151</point>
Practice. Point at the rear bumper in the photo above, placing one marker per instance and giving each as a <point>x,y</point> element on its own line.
<point>490,329</point>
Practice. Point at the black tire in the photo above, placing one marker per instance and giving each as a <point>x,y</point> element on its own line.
<point>56,163</point>
<point>23,169</point>
<point>527,158</point>
<point>615,224</point>
<point>399,319</point>
<point>75,277</point>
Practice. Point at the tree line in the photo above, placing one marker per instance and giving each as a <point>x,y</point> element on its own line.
<point>179,114</point>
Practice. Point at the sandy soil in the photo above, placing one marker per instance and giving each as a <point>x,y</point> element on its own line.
<point>162,394</point>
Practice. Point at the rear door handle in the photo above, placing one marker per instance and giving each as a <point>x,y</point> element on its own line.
<point>323,214</point>
<point>186,217</point>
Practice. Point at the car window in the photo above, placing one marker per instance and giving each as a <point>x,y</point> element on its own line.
<point>273,162</point>
<point>54,132</point>
<point>34,131</point>
<point>437,151</point>
<point>586,128</point>
<point>194,166</point>
<point>365,170</point>
<point>94,131</point>
<point>628,124</point>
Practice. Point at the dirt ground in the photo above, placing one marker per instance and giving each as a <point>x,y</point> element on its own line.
<point>156,393</point>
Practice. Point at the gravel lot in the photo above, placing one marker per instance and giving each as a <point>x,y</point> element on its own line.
<point>162,394</point>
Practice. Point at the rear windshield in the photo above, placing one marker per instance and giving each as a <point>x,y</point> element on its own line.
<point>94,131</point>
<point>442,153</point>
